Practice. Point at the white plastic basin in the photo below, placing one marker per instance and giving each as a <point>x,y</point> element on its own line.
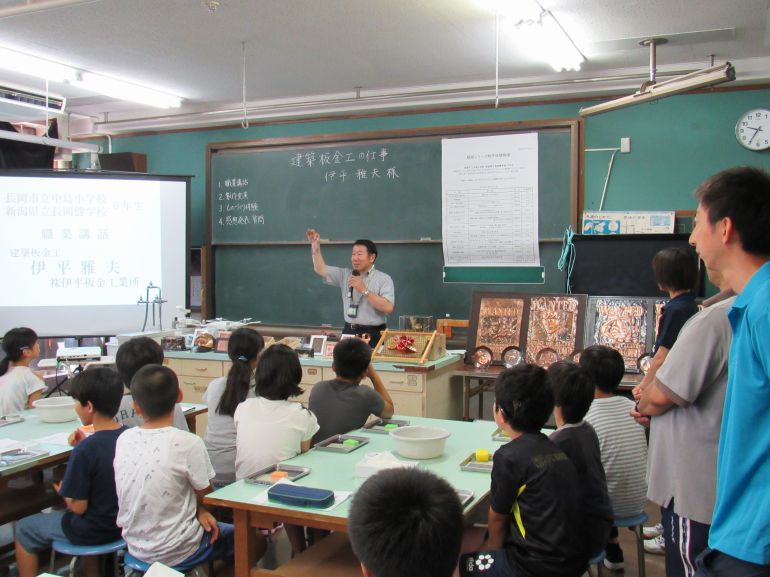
<point>56,409</point>
<point>416,442</point>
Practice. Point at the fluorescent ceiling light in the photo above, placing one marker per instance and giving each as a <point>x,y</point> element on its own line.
<point>56,72</point>
<point>127,91</point>
<point>57,142</point>
<point>699,79</point>
<point>34,66</point>
<point>536,32</point>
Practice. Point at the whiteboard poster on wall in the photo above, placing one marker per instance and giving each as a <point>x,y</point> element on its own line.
<point>489,200</point>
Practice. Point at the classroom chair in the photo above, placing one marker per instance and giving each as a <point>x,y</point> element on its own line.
<point>636,524</point>
<point>75,551</point>
<point>192,566</point>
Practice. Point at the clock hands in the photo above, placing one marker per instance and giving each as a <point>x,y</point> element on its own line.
<point>756,130</point>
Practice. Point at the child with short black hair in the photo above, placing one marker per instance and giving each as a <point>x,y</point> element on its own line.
<point>223,395</point>
<point>19,385</point>
<point>406,523</point>
<point>270,428</point>
<point>161,476</point>
<point>622,442</point>
<point>88,486</point>
<point>342,404</point>
<point>132,356</point>
<point>573,392</point>
<point>535,526</point>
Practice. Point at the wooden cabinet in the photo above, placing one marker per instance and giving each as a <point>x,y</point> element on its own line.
<point>420,391</point>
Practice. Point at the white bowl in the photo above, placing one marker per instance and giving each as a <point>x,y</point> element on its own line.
<point>417,442</point>
<point>56,409</point>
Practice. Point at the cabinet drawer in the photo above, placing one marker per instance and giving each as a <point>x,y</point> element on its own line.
<point>412,382</point>
<point>193,388</point>
<point>195,368</point>
<point>311,375</point>
<point>173,364</point>
<point>407,404</point>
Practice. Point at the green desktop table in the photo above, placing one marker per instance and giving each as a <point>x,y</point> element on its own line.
<point>335,471</point>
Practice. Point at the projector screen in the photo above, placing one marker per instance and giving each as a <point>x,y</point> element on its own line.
<point>79,251</point>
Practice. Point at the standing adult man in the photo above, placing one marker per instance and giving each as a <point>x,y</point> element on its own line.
<point>368,295</point>
<point>731,236</point>
<point>685,400</point>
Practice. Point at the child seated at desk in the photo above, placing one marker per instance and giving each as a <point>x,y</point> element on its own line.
<point>132,356</point>
<point>341,405</point>
<point>406,523</point>
<point>223,396</point>
<point>88,486</point>
<point>573,392</point>
<point>161,477</point>
<point>270,428</point>
<point>19,385</point>
<point>622,442</point>
<point>535,524</point>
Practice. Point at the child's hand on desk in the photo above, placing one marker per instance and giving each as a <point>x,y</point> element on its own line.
<point>208,523</point>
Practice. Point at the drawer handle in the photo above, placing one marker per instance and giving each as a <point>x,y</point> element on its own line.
<point>395,382</point>
<point>312,371</point>
<point>201,369</point>
<point>199,389</point>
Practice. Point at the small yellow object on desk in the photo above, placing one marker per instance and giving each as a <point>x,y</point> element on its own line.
<point>482,455</point>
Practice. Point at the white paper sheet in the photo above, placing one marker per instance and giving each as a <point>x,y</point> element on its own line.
<point>489,200</point>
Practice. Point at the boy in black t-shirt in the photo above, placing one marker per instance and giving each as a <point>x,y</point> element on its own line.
<point>573,392</point>
<point>88,487</point>
<point>535,527</point>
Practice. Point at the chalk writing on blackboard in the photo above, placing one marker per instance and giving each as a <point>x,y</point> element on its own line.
<point>234,207</point>
<point>347,166</point>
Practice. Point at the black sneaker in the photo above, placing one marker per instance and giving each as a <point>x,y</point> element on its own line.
<point>613,559</point>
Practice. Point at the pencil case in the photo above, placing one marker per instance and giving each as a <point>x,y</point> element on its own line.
<point>300,496</point>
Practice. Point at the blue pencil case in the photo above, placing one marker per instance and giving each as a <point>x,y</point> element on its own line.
<point>300,496</point>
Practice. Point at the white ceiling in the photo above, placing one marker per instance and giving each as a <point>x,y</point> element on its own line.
<point>309,56</point>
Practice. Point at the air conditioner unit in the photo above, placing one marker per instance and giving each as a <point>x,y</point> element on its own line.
<point>17,105</point>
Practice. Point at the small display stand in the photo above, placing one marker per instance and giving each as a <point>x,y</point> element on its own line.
<point>409,347</point>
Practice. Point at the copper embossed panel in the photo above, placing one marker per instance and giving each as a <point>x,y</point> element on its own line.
<point>621,324</point>
<point>499,325</point>
<point>553,323</point>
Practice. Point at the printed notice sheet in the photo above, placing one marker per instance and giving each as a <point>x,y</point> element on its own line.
<point>489,200</point>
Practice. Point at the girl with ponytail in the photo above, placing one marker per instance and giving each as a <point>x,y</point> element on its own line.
<point>19,386</point>
<point>223,395</point>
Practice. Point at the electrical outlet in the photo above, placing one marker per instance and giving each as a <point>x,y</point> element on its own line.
<point>625,144</point>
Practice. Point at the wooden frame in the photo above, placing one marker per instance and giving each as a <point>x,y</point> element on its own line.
<point>318,344</point>
<point>421,342</point>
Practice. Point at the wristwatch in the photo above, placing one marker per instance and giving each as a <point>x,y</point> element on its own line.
<point>366,293</point>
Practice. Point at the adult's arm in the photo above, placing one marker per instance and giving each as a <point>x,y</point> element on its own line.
<point>319,265</point>
<point>382,302</point>
<point>654,401</point>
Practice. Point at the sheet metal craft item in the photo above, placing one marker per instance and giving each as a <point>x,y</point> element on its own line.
<point>341,443</point>
<point>499,325</point>
<point>470,463</point>
<point>553,324</point>
<point>270,475</point>
<point>384,426</point>
<point>500,436</point>
<point>622,324</point>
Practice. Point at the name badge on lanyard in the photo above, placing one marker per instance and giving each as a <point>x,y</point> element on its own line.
<point>352,310</point>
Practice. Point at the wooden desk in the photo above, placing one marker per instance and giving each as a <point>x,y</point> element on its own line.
<point>335,471</point>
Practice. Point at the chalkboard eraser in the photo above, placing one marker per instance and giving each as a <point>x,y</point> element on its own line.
<point>326,325</point>
<point>324,240</point>
<point>425,238</point>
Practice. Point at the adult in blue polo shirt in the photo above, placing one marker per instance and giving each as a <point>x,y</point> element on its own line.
<point>731,236</point>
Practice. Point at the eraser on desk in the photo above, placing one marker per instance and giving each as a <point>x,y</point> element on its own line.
<point>391,426</point>
<point>350,442</point>
<point>482,455</point>
<point>279,474</point>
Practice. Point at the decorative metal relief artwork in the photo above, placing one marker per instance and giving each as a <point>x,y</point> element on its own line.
<point>553,324</point>
<point>621,324</point>
<point>499,324</point>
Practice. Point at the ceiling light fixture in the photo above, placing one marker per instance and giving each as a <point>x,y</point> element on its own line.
<point>47,141</point>
<point>652,90</point>
<point>56,72</point>
<point>545,39</point>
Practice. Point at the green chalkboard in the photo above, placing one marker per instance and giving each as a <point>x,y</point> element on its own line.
<point>272,191</point>
<point>276,284</point>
